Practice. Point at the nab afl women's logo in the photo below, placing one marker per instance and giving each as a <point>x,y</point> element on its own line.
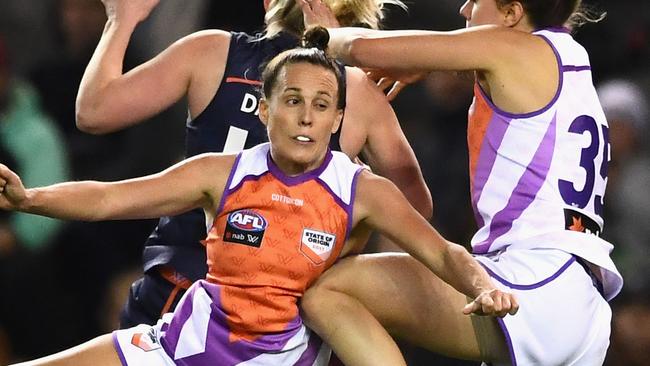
<point>245,227</point>
<point>247,220</point>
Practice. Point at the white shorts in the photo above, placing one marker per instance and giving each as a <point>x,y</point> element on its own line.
<point>562,317</point>
<point>140,345</point>
<point>197,335</point>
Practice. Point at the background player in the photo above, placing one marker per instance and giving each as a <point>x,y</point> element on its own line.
<point>218,72</point>
<point>538,145</point>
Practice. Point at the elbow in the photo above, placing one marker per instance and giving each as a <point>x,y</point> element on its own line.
<point>89,121</point>
<point>421,200</point>
<point>427,209</point>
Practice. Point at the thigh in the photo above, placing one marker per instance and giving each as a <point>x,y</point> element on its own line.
<point>415,305</point>
<point>99,351</point>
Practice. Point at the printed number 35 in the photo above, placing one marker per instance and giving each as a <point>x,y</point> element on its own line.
<point>580,198</point>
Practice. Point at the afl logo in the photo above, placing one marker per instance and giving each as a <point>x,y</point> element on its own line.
<point>247,220</point>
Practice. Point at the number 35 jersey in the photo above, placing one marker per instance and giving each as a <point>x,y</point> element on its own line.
<point>538,179</point>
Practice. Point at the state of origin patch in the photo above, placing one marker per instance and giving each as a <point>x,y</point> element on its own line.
<point>245,227</point>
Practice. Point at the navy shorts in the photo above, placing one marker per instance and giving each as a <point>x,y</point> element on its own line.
<point>151,296</point>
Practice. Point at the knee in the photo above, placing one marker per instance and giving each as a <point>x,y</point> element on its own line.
<point>316,304</point>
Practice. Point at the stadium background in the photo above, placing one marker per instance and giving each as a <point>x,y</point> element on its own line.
<point>69,286</point>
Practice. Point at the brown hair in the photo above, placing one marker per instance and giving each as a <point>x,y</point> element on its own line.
<point>557,13</point>
<point>312,51</point>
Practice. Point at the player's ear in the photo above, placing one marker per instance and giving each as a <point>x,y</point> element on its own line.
<point>337,121</point>
<point>513,13</point>
<point>264,111</point>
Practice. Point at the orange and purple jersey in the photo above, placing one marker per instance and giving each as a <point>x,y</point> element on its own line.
<point>271,238</point>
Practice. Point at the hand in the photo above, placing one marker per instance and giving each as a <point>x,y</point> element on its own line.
<point>394,81</point>
<point>493,303</point>
<point>12,191</point>
<point>316,13</point>
<point>135,10</point>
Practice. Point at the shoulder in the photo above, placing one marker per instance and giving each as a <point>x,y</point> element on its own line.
<point>372,189</point>
<point>205,40</point>
<point>212,163</point>
<point>363,94</point>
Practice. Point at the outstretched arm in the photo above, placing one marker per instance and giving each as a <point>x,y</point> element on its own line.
<point>477,48</point>
<point>109,100</point>
<point>382,206</point>
<point>196,182</point>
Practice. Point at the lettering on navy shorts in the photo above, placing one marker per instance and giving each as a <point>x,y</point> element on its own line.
<point>245,227</point>
<point>576,221</point>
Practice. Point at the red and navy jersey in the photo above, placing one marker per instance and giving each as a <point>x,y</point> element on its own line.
<point>229,123</point>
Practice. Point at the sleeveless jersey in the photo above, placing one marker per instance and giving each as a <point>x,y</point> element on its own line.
<point>538,179</point>
<point>229,123</point>
<point>271,237</point>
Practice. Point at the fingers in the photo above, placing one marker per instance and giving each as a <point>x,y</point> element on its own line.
<point>493,303</point>
<point>385,83</point>
<point>514,305</point>
<point>395,90</point>
<point>316,12</point>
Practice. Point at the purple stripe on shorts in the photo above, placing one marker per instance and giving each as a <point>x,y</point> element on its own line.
<point>182,314</point>
<point>496,130</point>
<point>219,348</point>
<point>533,285</point>
<point>313,347</point>
<point>118,349</point>
<point>525,192</point>
<point>506,334</point>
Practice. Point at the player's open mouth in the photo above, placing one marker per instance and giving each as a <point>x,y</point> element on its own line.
<point>302,138</point>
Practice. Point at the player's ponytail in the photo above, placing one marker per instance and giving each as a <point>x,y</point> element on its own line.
<point>316,37</point>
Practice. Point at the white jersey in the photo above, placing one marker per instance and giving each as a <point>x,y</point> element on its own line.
<point>538,179</point>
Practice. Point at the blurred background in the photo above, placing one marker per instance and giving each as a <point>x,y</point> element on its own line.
<point>62,283</point>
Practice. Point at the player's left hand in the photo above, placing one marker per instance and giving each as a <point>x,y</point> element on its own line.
<point>493,303</point>
<point>316,12</point>
<point>12,191</point>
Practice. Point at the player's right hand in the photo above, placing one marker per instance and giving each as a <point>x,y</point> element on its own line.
<point>12,190</point>
<point>493,303</point>
<point>124,10</point>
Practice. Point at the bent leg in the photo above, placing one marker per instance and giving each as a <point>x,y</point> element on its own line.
<point>98,351</point>
<point>404,297</point>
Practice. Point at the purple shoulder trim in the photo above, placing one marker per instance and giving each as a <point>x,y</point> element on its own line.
<point>501,112</point>
<point>226,191</point>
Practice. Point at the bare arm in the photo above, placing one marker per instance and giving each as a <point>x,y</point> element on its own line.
<point>476,48</point>
<point>109,100</point>
<point>515,81</point>
<point>382,206</point>
<point>386,149</point>
<point>196,182</point>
